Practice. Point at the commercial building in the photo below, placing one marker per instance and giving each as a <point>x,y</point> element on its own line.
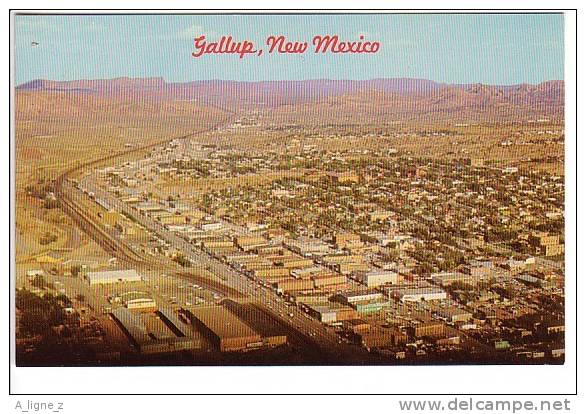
<point>223,329</point>
<point>309,272</point>
<point>348,268</point>
<point>141,303</point>
<point>149,207</point>
<point>381,338</point>
<point>147,342</point>
<point>308,247</point>
<point>271,272</point>
<point>136,300</point>
<point>454,314</point>
<point>211,226</point>
<point>544,243</point>
<point>112,276</point>
<point>294,262</point>
<point>294,284</point>
<point>370,306</point>
<point>272,335</point>
<point>359,296</point>
<point>356,326</point>
<point>419,294</point>
<point>247,243</point>
<point>474,162</point>
<point>171,319</point>
<point>257,265</point>
<point>377,277</point>
<point>330,312</point>
<point>328,279</point>
<point>380,215</point>
<point>427,329</point>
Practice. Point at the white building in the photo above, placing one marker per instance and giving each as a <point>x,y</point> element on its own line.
<point>306,246</point>
<point>141,303</point>
<point>112,276</point>
<point>377,278</point>
<point>359,296</point>
<point>418,294</point>
<point>211,226</point>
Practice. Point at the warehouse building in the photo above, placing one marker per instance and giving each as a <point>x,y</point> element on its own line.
<point>272,334</point>
<point>211,226</point>
<point>260,264</point>
<point>356,326</point>
<point>454,314</point>
<point>308,272</point>
<point>419,294</point>
<point>294,262</point>
<point>308,247</point>
<point>377,277</point>
<point>141,303</point>
<point>112,276</point>
<point>348,268</point>
<point>370,306</point>
<point>427,329</point>
<point>172,320</point>
<point>328,279</point>
<point>289,285</point>
<point>147,342</point>
<point>223,329</point>
<point>359,296</point>
<point>330,312</point>
<point>247,243</point>
<point>271,272</point>
<point>381,338</point>
<point>136,300</point>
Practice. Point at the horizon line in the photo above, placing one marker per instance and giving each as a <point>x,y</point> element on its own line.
<point>440,83</point>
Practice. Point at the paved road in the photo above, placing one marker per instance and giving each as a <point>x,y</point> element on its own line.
<point>325,336</point>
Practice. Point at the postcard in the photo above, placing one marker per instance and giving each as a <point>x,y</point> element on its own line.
<point>289,189</point>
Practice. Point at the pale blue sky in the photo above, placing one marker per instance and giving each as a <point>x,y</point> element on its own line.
<point>493,49</point>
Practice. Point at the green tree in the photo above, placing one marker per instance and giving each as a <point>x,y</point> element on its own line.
<point>75,270</point>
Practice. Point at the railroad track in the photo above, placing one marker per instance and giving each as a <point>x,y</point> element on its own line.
<point>116,247</point>
<point>96,232</point>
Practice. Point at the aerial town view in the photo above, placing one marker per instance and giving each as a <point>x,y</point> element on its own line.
<point>176,207</point>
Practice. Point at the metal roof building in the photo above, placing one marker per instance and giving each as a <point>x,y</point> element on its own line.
<point>224,329</point>
<point>145,342</point>
<point>112,276</point>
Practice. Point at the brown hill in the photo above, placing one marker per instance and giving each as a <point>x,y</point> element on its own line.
<point>312,101</point>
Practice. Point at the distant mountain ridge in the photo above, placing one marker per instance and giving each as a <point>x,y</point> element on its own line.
<point>403,96</point>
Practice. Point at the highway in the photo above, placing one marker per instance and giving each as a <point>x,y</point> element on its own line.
<point>330,344</point>
<point>328,341</point>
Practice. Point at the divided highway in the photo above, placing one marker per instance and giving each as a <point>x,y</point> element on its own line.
<point>332,347</point>
<point>329,342</point>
